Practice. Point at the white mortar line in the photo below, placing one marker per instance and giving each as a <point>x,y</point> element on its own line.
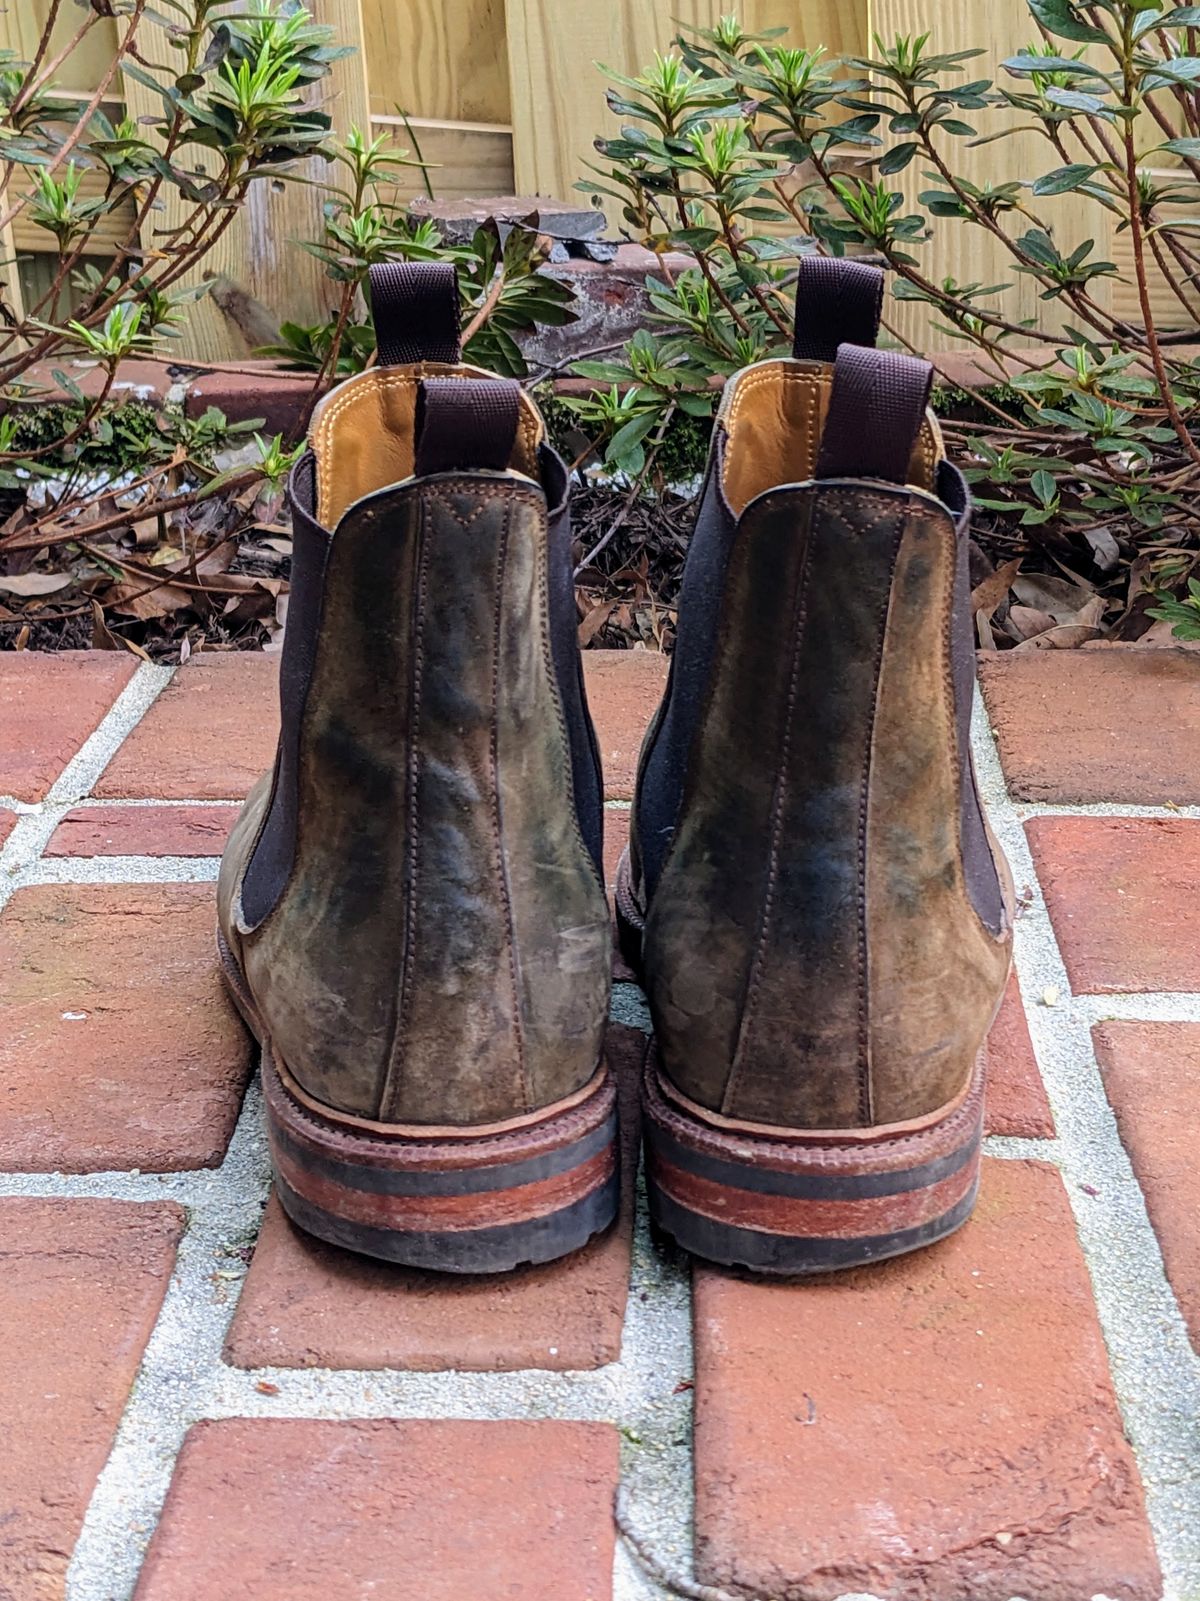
<point>35,824</point>
<point>152,803</point>
<point>182,1377</point>
<point>1030,809</point>
<point>123,870</point>
<point>1155,1370</point>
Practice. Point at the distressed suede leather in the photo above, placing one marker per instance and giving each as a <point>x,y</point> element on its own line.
<point>812,956</point>
<point>439,953</point>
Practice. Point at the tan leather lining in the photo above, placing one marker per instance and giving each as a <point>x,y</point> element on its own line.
<point>774,414</point>
<point>362,434</point>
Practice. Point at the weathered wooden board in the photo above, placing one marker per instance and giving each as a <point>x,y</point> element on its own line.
<point>558,95</point>
<point>259,253</point>
<point>441,59</point>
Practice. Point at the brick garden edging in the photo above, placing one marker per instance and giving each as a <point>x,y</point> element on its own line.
<point>944,1426</point>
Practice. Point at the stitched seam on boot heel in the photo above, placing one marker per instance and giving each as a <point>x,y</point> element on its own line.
<point>400,1023</point>
<point>497,816</point>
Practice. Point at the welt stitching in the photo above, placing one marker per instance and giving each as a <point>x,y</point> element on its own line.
<point>404,1003</point>
<point>866,1098</point>
<point>799,610</point>
<point>497,815</point>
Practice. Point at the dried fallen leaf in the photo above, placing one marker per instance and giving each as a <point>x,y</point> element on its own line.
<point>26,584</point>
<point>595,621</point>
<point>985,597</point>
<point>1054,595</point>
<point>1024,622</point>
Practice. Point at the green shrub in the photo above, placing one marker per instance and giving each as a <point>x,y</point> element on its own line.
<point>743,152</point>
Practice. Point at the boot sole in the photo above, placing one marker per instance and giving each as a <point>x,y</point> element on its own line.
<point>788,1202</point>
<point>479,1202</point>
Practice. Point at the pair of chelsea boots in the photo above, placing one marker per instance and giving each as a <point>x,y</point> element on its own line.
<point>412,916</point>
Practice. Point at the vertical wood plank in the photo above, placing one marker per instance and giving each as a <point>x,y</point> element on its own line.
<point>259,253</point>
<point>960,249</point>
<point>440,59</point>
<point>558,94</point>
<point>21,25</point>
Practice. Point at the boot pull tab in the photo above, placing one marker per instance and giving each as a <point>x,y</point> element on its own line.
<point>466,424</point>
<point>414,305</point>
<point>875,414</point>
<point>838,302</point>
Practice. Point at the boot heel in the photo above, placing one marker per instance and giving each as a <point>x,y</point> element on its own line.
<point>791,1202</point>
<point>482,1202</point>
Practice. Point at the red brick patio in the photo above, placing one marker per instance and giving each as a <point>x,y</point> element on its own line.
<point>987,1419</point>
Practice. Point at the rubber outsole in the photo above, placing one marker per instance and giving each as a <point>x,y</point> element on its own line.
<point>792,1202</point>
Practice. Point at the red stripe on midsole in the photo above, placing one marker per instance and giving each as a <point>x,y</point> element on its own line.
<point>812,1219</point>
<point>486,1209</point>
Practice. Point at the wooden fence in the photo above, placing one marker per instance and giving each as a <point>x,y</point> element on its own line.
<point>502,96</point>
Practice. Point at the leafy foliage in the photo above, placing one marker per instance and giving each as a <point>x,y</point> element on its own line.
<point>743,152</point>
<point>503,290</point>
<point>120,519</point>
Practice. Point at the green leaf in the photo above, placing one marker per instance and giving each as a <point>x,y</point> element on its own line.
<point>1063,179</point>
<point>1183,69</point>
<point>1184,17</point>
<point>1183,147</point>
<point>69,386</point>
<point>631,434</point>
<point>1043,485</point>
<point>1074,100</point>
<point>1027,63</point>
<point>1060,18</point>
<point>898,158</point>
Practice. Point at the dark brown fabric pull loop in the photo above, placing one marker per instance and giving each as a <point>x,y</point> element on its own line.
<point>875,414</point>
<point>414,305</point>
<point>466,424</point>
<point>837,303</point>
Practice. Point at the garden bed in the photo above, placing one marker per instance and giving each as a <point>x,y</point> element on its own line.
<point>214,574</point>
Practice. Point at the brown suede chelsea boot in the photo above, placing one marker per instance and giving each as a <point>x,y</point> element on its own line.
<point>821,918</point>
<point>412,917</point>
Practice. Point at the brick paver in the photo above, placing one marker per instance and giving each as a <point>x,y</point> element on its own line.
<point>1124,897</point>
<point>624,688</point>
<point>208,736</point>
<point>119,1047</point>
<point>939,1426</point>
<point>306,1304</point>
<point>942,1426</point>
<point>212,731</point>
<point>1152,1075</point>
<point>1096,725</point>
<point>1016,1097</point>
<point>8,821</point>
<point>458,1511</point>
<point>48,707</point>
<point>81,1287</point>
<point>118,830</point>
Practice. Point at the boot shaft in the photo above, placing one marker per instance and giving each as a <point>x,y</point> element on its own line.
<point>825,932</point>
<point>421,915</point>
